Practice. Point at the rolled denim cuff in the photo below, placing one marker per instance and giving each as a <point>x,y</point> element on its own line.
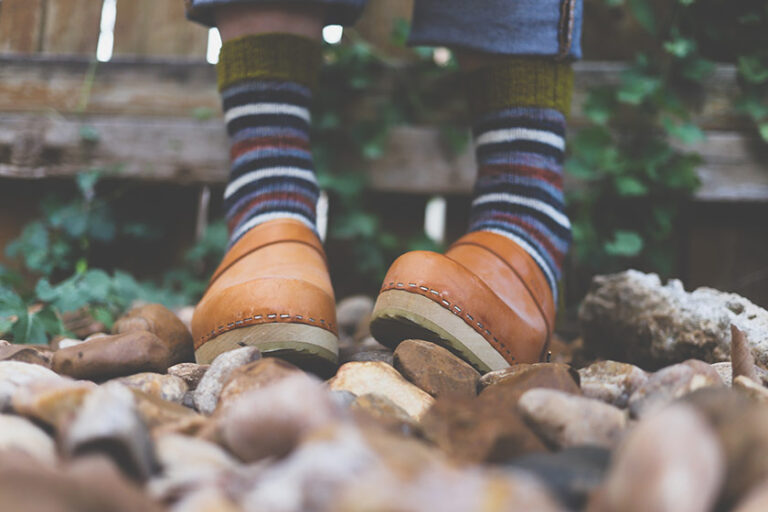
<point>340,12</point>
<point>508,27</point>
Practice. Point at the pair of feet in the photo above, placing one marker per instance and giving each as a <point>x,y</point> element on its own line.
<point>485,299</point>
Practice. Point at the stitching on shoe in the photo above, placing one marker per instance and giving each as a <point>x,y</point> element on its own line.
<point>245,322</point>
<point>469,319</point>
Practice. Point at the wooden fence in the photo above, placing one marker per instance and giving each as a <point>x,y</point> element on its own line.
<point>152,112</point>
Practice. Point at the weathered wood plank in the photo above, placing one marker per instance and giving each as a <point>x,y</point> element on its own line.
<point>72,27</point>
<point>191,151</point>
<point>157,28</point>
<point>172,88</point>
<point>20,25</point>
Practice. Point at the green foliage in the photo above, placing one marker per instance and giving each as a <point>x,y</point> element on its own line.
<point>633,170</point>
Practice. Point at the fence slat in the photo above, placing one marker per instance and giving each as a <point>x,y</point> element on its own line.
<point>157,28</point>
<point>20,25</point>
<point>72,27</point>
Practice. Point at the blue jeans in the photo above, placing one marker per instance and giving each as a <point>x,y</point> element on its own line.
<point>509,27</point>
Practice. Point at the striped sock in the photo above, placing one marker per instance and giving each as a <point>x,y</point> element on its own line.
<point>266,84</point>
<point>519,131</point>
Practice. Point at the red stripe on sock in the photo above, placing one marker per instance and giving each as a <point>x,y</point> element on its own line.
<point>557,256</point>
<point>553,178</point>
<point>288,197</point>
<point>241,147</point>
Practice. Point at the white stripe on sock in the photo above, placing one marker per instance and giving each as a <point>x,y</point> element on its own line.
<point>271,172</point>
<point>534,254</point>
<point>267,108</point>
<point>541,206</point>
<point>264,217</point>
<point>512,134</point>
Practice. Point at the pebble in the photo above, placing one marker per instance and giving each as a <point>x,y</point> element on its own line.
<point>362,378</point>
<point>165,387</point>
<point>108,422</point>
<point>270,421</point>
<point>52,401</point>
<point>725,371</point>
<point>755,501</point>
<point>751,389</point>
<point>14,374</point>
<point>254,375</point>
<point>191,373</point>
<point>671,383</point>
<point>382,411</point>
<point>207,499</point>
<point>18,434</point>
<point>511,386</point>
<point>107,357</point>
<point>565,420</point>
<point>209,388</point>
<point>435,369</point>
<point>158,414</point>
<point>26,354</point>
<point>163,323</point>
<point>671,461</point>
<point>611,381</point>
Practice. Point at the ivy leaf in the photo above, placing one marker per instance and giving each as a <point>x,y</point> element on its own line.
<point>643,13</point>
<point>686,132</point>
<point>636,87</point>
<point>680,47</point>
<point>625,244</point>
<point>763,129</point>
<point>752,69</point>
<point>630,186</point>
<point>599,105</point>
<point>697,69</point>
<point>86,183</point>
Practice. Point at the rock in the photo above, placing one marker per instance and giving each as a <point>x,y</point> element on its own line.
<point>384,412</point>
<point>751,389</point>
<point>20,435</point>
<point>25,354</point>
<point>343,399</point>
<point>161,416</point>
<point>14,374</point>
<point>207,499</point>
<point>741,356</point>
<point>670,461</point>
<point>756,500</point>
<point>514,383</point>
<point>163,323</point>
<point>207,392</point>
<point>364,350</point>
<point>725,371</point>
<point>631,317</point>
<point>165,387</point>
<point>187,463</point>
<point>107,357</point>
<point>109,423</point>
<point>66,343</point>
<point>565,420</point>
<point>611,381</point>
<point>270,421</point>
<point>435,369</point>
<point>254,375</point>
<point>482,429</point>
<point>742,428</point>
<point>516,371</point>
<point>87,485</point>
<point>191,373</point>
<point>368,356</point>
<point>52,401</point>
<point>381,379</point>
<point>572,474</point>
<point>351,312</point>
<point>671,383</point>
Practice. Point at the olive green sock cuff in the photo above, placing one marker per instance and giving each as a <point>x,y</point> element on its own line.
<point>520,82</point>
<point>269,57</point>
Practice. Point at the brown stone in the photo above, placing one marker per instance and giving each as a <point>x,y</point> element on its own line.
<point>670,461</point>
<point>383,412</point>
<point>611,381</point>
<point>166,387</point>
<point>26,354</point>
<point>508,388</point>
<point>435,369</point>
<point>742,428</point>
<point>163,323</point>
<point>158,414</point>
<point>362,378</point>
<point>254,375</point>
<point>191,373</point>
<point>751,389</point>
<point>114,356</point>
<point>756,500</point>
<point>481,429</point>
<point>516,371</point>
<point>671,383</point>
<point>51,401</point>
<point>88,485</point>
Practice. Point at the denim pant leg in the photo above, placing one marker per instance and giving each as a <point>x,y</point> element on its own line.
<point>340,12</point>
<point>509,27</point>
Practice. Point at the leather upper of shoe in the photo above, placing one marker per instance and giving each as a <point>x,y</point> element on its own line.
<point>276,272</point>
<point>492,284</point>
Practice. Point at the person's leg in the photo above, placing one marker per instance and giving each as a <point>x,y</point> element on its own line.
<point>498,306</point>
<point>273,289</point>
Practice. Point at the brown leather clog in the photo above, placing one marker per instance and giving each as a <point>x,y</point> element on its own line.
<point>486,299</point>
<point>272,291</point>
